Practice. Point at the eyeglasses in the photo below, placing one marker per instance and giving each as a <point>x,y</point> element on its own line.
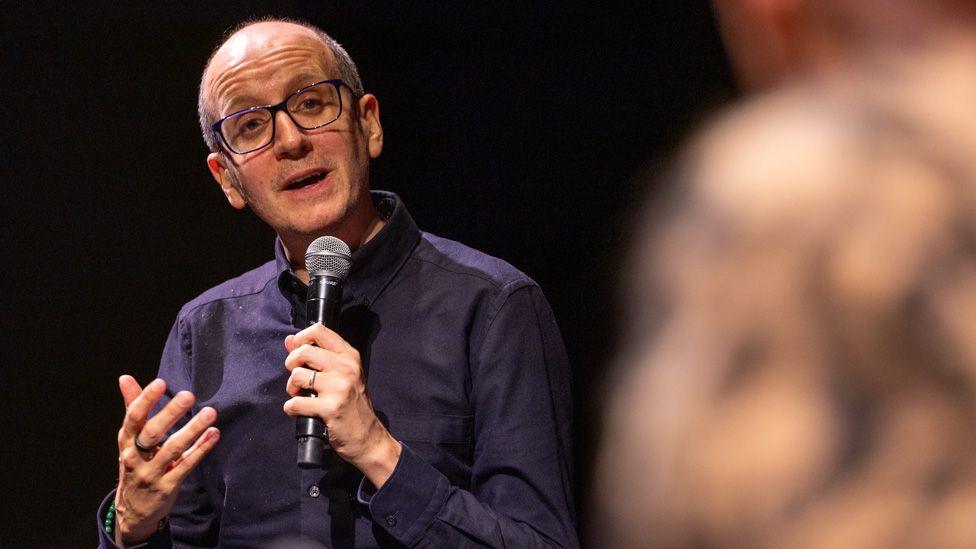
<point>253,128</point>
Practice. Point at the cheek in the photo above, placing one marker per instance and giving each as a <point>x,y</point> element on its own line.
<point>352,163</point>
<point>257,175</point>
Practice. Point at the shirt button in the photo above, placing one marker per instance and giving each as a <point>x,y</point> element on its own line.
<point>313,491</point>
<point>391,520</point>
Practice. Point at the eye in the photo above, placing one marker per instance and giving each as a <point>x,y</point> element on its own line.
<point>250,123</point>
<point>310,103</point>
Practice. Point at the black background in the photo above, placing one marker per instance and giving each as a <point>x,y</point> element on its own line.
<point>519,129</point>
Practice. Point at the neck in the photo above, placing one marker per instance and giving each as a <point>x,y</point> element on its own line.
<point>354,232</point>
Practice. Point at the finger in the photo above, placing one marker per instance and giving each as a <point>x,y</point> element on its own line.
<point>300,380</point>
<point>129,388</point>
<point>323,360</point>
<point>307,356</point>
<point>322,407</point>
<point>153,431</point>
<point>177,444</point>
<point>325,384</point>
<point>191,457</point>
<point>290,343</point>
<point>138,410</point>
<point>320,336</point>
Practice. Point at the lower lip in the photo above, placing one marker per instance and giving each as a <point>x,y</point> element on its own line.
<point>310,189</point>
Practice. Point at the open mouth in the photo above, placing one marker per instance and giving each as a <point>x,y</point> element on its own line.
<point>306,181</point>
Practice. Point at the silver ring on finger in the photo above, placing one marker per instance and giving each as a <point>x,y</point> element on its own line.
<point>311,380</point>
<point>148,452</point>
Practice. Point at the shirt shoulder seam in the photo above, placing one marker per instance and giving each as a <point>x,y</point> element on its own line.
<point>508,289</point>
<point>521,280</point>
<point>187,312</point>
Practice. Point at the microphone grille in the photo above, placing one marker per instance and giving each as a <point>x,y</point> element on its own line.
<point>329,256</point>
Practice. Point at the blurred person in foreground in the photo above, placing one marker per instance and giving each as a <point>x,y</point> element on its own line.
<point>770,42</point>
<point>801,365</point>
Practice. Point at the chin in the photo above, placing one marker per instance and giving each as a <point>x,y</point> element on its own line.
<point>324,217</point>
<point>319,223</point>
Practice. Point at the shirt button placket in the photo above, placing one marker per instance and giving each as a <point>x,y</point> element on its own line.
<point>314,498</point>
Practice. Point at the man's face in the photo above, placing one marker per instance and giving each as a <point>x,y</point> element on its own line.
<point>306,182</point>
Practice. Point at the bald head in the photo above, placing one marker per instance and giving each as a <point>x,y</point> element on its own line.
<point>238,52</point>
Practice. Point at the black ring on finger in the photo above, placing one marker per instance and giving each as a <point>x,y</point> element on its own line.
<point>151,450</point>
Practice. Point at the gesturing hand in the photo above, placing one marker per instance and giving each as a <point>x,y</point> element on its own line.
<point>320,360</point>
<point>150,478</point>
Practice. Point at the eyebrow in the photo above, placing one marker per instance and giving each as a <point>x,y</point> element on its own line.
<point>303,79</point>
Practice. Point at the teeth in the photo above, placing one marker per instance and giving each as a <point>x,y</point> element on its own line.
<point>308,177</point>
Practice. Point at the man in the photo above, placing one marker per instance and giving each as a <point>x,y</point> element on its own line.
<point>445,395</point>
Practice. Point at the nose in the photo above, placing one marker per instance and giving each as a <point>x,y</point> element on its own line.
<point>290,141</point>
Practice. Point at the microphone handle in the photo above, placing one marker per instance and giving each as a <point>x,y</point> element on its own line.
<point>324,298</point>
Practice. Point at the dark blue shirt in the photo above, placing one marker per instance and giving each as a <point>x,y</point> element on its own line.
<point>464,364</point>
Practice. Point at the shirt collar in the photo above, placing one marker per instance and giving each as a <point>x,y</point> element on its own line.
<point>374,264</point>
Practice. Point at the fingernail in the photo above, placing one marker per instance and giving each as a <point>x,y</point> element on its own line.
<point>184,398</point>
<point>208,414</point>
<point>156,385</point>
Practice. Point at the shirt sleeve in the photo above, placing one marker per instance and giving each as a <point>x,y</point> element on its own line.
<point>192,521</point>
<point>520,493</point>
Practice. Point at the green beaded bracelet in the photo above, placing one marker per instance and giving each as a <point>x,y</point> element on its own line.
<point>110,518</point>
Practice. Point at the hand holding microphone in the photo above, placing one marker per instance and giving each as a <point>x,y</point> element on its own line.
<point>328,261</point>
<point>326,366</point>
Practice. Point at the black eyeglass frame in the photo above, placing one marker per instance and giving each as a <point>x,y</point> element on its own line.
<point>273,109</point>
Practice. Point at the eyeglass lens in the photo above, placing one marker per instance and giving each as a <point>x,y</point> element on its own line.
<point>311,108</point>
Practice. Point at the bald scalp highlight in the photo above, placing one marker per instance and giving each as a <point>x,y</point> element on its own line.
<point>207,112</point>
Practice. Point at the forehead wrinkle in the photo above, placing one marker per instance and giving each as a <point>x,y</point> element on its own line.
<point>234,84</point>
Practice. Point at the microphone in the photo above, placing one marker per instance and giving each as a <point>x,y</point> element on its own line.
<point>328,261</point>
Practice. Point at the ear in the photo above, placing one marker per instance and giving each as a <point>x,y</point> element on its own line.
<point>369,120</point>
<point>218,168</point>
